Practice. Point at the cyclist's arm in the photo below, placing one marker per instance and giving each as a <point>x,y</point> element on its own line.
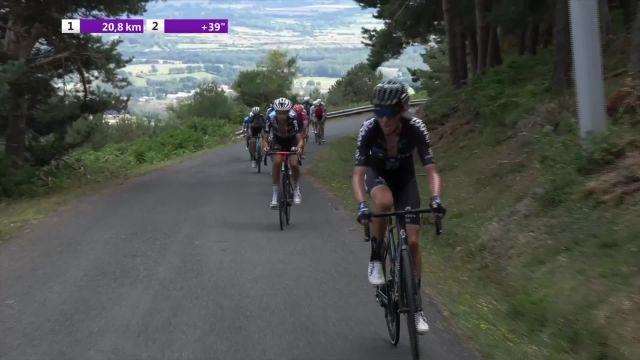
<point>423,142</point>
<point>300,139</point>
<point>435,183</point>
<point>361,161</point>
<point>357,181</point>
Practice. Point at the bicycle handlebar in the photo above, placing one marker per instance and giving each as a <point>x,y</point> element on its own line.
<point>286,153</point>
<point>438,219</point>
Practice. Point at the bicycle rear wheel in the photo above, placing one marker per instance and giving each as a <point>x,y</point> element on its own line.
<point>259,157</point>
<point>410,301</point>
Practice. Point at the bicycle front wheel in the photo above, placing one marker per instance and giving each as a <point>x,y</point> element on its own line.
<point>410,301</point>
<point>392,306</point>
<point>282,205</point>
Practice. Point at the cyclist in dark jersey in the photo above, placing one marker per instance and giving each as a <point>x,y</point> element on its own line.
<point>384,169</point>
<point>255,124</point>
<point>282,125</point>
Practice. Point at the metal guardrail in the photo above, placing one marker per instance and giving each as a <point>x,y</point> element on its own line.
<point>363,109</point>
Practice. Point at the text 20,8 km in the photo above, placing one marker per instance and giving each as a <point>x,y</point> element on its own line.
<point>121,27</point>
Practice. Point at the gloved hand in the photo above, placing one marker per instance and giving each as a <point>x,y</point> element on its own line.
<point>436,205</point>
<point>364,215</point>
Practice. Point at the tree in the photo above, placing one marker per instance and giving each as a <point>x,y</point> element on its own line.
<point>355,86</point>
<point>272,79</point>
<point>634,61</point>
<point>34,55</point>
<point>562,44</point>
<point>482,24</point>
<point>452,43</point>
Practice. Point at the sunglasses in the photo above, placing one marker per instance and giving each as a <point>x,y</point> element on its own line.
<point>387,111</point>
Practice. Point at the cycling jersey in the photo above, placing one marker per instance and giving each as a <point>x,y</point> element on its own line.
<point>292,128</point>
<point>396,172</point>
<point>371,148</point>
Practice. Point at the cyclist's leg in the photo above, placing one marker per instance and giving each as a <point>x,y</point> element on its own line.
<point>382,198</point>
<point>408,196</point>
<point>321,123</point>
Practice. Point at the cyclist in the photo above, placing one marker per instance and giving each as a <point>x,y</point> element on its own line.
<point>307,106</point>
<point>282,125</point>
<point>303,122</point>
<point>245,129</point>
<point>320,115</point>
<point>384,169</point>
<point>256,124</point>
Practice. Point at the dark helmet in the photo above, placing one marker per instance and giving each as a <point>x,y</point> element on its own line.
<point>390,92</point>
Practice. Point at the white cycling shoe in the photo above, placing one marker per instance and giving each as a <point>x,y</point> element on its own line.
<point>274,202</point>
<point>254,164</point>
<point>421,323</point>
<point>375,273</point>
<point>297,196</point>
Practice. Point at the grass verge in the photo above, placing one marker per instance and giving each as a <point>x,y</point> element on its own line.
<point>39,192</point>
<point>541,255</point>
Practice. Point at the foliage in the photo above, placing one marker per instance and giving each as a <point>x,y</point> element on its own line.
<point>209,101</point>
<point>357,85</point>
<point>41,59</point>
<point>272,79</point>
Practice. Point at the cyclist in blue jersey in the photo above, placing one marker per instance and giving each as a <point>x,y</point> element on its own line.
<point>285,135</point>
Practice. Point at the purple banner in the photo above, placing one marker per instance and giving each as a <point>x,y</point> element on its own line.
<point>106,26</point>
<point>192,26</point>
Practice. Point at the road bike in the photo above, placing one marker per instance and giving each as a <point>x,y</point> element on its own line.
<point>399,293</point>
<point>285,194</point>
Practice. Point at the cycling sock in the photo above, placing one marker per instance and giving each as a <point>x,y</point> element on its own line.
<point>376,254</point>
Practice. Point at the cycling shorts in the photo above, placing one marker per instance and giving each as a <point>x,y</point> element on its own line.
<point>403,189</point>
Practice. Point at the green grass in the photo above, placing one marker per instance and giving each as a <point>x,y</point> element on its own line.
<point>531,266</point>
<point>87,170</point>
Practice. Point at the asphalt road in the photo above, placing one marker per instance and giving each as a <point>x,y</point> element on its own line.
<point>188,262</point>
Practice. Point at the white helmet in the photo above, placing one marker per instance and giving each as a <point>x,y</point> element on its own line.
<point>255,110</point>
<point>317,102</point>
<point>307,99</point>
<point>282,104</point>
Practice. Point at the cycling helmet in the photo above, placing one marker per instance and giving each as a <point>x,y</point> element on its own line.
<point>317,102</point>
<point>307,99</point>
<point>390,92</point>
<point>255,110</point>
<point>282,104</point>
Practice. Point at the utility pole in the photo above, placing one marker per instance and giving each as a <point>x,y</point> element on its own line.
<point>587,61</point>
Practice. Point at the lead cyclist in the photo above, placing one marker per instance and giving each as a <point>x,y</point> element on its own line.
<point>384,169</point>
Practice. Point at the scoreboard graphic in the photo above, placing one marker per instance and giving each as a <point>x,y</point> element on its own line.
<point>139,26</point>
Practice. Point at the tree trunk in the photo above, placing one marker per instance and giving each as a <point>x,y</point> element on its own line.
<point>562,47</point>
<point>18,44</point>
<point>473,53</point>
<point>450,25</point>
<point>461,52</point>
<point>522,41</point>
<point>634,62</point>
<point>482,25</point>
<point>532,37</point>
<point>15,145</point>
<point>547,35</point>
<point>494,57</point>
<point>605,20</point>
<point>627,12</point>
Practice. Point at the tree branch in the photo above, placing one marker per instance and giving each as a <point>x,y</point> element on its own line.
<point>81,72</point>
<point>50,59</point>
